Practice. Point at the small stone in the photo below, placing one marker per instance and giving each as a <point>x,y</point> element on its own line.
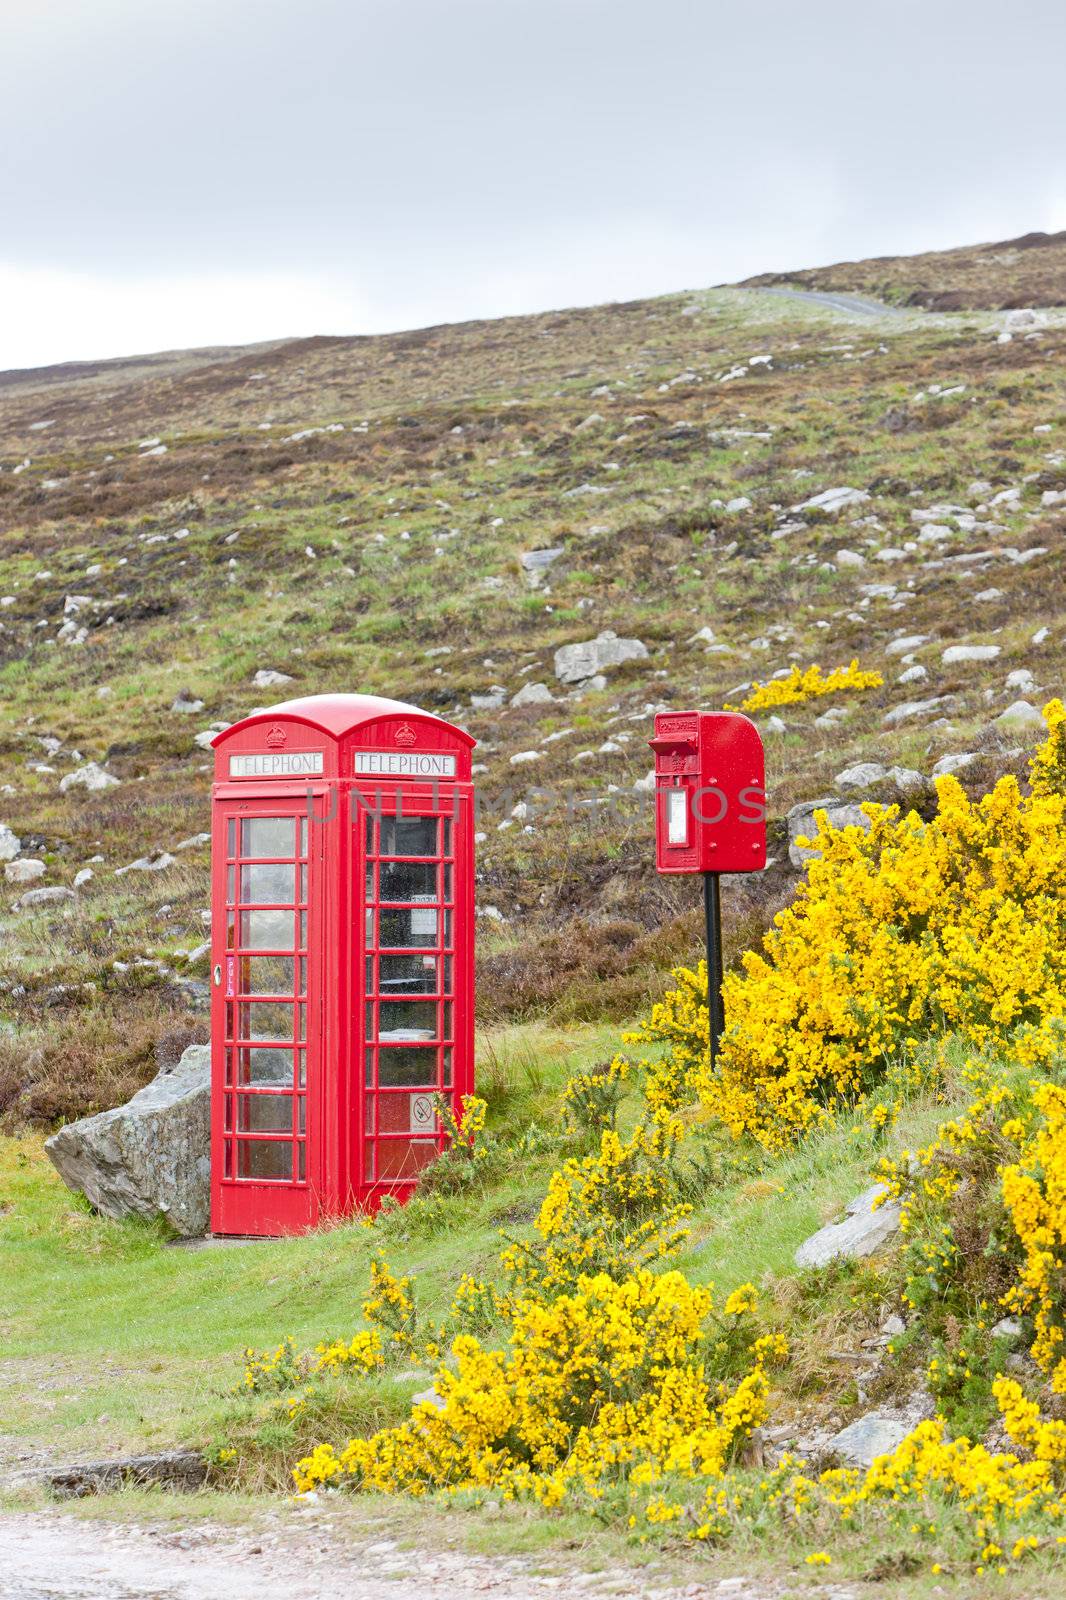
<point>775,724</point>
<point>988,595</point>
<point>535,563</point>
<point>833,501</point>
<point>25,870</point>
<point>1021,678</point>
<point>43,897</point>
<point>267,678</point>
<point>915,674</point>
<point>741,503</point>
<point>575,663</point>
<point>849,558</point>
<point>10,844</point>
<point>91,776</point>
<point>969,652</point>
<point>904,646</point>
<point>492,701</point>
<point>185,704</point>
<point>861,776</point>
<point>861,1442</point>
<point>521,757</point>
<point>954,763</point>
<point>914,708</point>
<point>83,877</point>
<point>533,694</point>
<point>1040,635</point>
<point>157,862</point>
<point>1020,715</point>
<point>893,1326</point>
<point>1006,1328</point>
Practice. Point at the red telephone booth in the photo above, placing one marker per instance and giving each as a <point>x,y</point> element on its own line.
<point>342,956</point>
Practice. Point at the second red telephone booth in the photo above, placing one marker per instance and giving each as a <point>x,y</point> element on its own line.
<point>342,956</point>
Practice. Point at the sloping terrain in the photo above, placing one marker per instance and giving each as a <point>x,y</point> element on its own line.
<point>352,513</point>
<point>1029,271</point>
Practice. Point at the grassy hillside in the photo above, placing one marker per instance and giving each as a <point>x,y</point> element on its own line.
<point>352,512</point>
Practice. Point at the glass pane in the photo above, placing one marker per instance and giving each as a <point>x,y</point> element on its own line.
<point>231,837</point>
<point>265,1021</point>
<point>369,1013</point>
<point>407,1019</point>
<point>369,975</point>
<point>369,1126</point>
<point>408,880</point>
<point>231,930</point>
<point>447,974</point>
<point>301,1169</point>
<point>231,884</point>
<point>447,883</point>
<point>303,930</point>
<point>409,1067</point>
<point>370,880</point>
<point>303,836</point>
<point>267,974</point>
<point>228,1117</point>
<point>302,969</point>
<point>301,1115</point>
<point>447,836</point>
<point>400,929</point>
<point>408,836</point>
<point>447,1068</point>
<point>228,1169</point>
<point>369,834</point>
<point>368,1164</point>
<point>264,1065</point>
<point>262,1158</point>
<point>301,1024</point>
<point>370,929</point>
<point>302,1069</point>
<point>447,1020</point>
<point>229,1065</point>
<point>266,1113</point>
<point>266,930</point>
<point>268,836</point>
<point>405,1158</point>
<point>447,929</point>
<point>408,975</point>
<point>263,885</point>
<point>407,1113</point>
<point>303,885</point>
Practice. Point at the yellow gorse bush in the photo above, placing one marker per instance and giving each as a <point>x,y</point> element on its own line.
<point>898,933</point>
<point>807,684</point>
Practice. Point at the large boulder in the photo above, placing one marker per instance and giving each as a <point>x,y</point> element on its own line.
<point>576,662</point>
<point>151,1157</point>
<point>862,1232</point>
<point>801,824</point>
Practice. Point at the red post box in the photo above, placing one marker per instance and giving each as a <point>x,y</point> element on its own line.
<point>342,956</point>
<point>710,816</point>
<point>710,789</point>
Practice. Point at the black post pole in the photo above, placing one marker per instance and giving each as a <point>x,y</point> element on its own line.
<point>712,909</point>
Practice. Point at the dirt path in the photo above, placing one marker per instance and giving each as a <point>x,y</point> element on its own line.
<point>52,1556</point>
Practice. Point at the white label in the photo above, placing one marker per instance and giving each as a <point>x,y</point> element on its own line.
<point>405,763</point>
<point>277,764</point>
<point>423,1114</point>
<point>677,816</point>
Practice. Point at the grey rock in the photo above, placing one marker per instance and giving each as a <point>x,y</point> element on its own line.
<point>267,678</point>
<point>84,876</point>
<point>492,701</point>
<point>1006,1328</point>
<point>801,824</point>
<point>171,1469</point>
<point>861,776</point>
<point>893,1326</point>
<point>849,558</point>
<point>25,870</point>
<point>429,1397</point>
<point>158,861</point>
<point>861,1233</point>
<point>775,724</point>
<point>833,501</point>
<point>915,674</point>
<point>1020,715</point>
<point>533,694</point>
<point>861,1442</point>
<point>535,563</point>
<point>906,779</point>
<point>151,1157</point>
<point>91,776</point>
<point>915,708</point>
<point>575,663</point>
<point>186,705</point>
<point>10,844</point>
<point>43,897</point>
<point>954,763</point>
<point>956,653</point>
<point>903,647</point>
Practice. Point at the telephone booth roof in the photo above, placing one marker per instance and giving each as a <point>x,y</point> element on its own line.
<point>340,714</point>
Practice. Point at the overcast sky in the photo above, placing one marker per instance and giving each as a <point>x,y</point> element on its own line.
<point>184,172</point>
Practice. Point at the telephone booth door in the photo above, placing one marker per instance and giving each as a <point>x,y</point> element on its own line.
<point>267,1112</point>
<point>414,977</point>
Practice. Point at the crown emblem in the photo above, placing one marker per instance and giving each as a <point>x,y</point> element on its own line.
<point>405,734</point>
<point>276,736</point>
